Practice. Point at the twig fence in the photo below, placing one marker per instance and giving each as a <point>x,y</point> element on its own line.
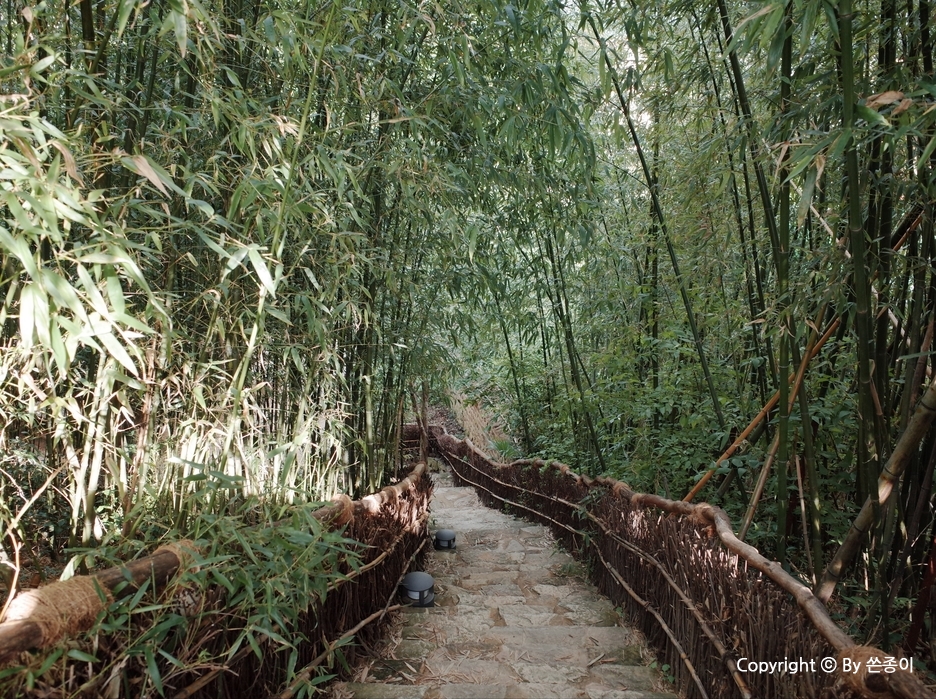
<point>392,527</point>
<point>712,605</point>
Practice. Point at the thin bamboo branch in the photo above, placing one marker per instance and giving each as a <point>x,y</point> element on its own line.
<point>804,519</point>
<point>759,487</point>
<point>664,231</point>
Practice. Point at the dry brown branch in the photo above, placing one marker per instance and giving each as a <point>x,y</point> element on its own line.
<point>764,411</point>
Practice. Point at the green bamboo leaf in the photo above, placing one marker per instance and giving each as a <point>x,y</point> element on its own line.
<point>138,595</point>
<point>831,12</point>
<point>915,355</point>
<point>63,293</point>
<point>755,20</point>
<point>472,241</point>
<point>466,51</point>
<point>97,299</point>
<point>202,206</point>
<point>168,656</point>
<point>19,249</point>
<point>43,207</point>
<point>124,319</point>
<point>125,7</point>
<point>321,679</point>
<point>259,265</point>
<point>59,348</point>
<point>776,44</point>
<point>27,315</point>
<point>74,335</point>
<point>115,292</point>
<point>222,580</point>
<point>279,314</point>
<point>840,143</point>
<point>82,656</point>
<point>36,68</point>
<point>117,351</point>
<point>808,27</point>
<point>924,157</point>
<point>10,70</point>
<point>49,661</point>
<point>252,641</point>
<point>178,16</point>
<point>871,116</point>
<point>153,669</point>
<point>809,186</point>
<point>212,245</point>
<point>98,257</point>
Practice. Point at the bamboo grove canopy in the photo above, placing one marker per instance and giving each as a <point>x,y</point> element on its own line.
<point>239,242</point>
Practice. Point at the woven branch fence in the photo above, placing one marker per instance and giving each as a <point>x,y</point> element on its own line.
<point>709,603</point>
<point>392,528</point>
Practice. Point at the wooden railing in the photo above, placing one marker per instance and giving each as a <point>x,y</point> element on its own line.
<point>391,526</point>
<point>728,621</point>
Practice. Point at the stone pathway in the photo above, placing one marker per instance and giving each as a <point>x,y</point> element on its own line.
<point>514,619</point>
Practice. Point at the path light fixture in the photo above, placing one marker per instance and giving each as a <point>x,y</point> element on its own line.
<point>418,589</point>
<point>445,540</point>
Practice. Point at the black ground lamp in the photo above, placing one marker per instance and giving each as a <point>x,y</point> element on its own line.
<point>418,589</point>
<point>445,540</point>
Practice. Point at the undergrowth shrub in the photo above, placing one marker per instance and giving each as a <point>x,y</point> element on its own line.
<point>249,592</point>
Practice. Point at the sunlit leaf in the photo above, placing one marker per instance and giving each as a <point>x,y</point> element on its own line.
<point>259,265</point>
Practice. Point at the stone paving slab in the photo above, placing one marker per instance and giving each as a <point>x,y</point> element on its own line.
<point>514,619</point>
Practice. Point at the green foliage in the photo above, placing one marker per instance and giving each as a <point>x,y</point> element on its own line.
<point>223,250</point>
<point>234,238</point>
<point>666,670</point>
<point>259,583</point>
<point>592,356</point>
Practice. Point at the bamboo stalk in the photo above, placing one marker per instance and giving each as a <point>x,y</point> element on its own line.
<point>759,487</point>
<point>757,418</point>
<point>867,446</point>
<point>664,231</point>
<point>904,449</point>
<point>787,331</point>
<point>804,519</point>
<point>762,480</point>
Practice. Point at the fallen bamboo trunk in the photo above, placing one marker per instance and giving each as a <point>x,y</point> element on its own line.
<point>923,417</point>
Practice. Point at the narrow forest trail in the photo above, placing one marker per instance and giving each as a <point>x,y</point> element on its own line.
<point>514,619</point>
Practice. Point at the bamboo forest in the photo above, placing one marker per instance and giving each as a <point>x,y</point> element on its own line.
<point>687,246</point>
